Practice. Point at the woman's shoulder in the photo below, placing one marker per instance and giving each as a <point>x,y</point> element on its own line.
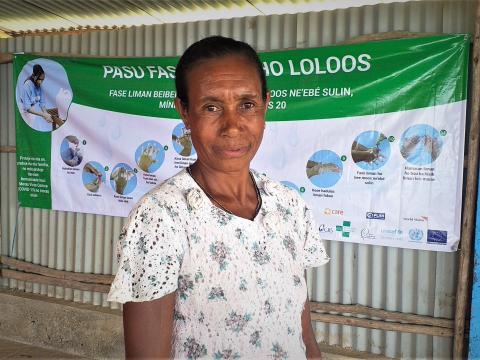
<point>170,192</point>
<point>281,191</point>
<point>28,84</point>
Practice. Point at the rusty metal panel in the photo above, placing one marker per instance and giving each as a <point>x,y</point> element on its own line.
<point>21,16</point>
<point>393,279</point>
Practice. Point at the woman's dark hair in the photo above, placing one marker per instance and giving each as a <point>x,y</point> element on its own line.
<point>211,48</point>
<point>37,72</point>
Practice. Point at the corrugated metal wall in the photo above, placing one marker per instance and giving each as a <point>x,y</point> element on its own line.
<point>393,279</point>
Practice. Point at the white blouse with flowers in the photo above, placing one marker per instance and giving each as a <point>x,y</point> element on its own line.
<point>240,283</point>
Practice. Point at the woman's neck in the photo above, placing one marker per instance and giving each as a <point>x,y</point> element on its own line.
<point>234,190</point>
<point>232,183</point>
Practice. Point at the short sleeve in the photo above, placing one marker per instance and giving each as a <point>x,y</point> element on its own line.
<point>26,97</point>
<point>149,253</point>
<point>314,253</point>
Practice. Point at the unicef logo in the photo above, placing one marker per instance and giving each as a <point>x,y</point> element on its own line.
<point>415,234</point>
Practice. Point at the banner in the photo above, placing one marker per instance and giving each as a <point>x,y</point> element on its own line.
<point>371,135</point>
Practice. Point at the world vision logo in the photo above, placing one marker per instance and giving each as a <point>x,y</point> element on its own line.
<point>345,228</point>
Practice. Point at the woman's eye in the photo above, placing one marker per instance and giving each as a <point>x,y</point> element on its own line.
<point>211,108</point>
<point>248,105</point>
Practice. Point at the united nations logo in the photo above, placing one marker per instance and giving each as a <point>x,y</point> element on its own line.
<point>415,234</point>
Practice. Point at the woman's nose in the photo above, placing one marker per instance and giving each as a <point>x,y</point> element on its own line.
<point>231,121</point>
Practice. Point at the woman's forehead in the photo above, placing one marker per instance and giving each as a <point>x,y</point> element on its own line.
<point>216,89</point>
<point>223,68</point>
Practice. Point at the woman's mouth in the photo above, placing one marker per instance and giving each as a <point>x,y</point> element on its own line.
<point>235,151</point>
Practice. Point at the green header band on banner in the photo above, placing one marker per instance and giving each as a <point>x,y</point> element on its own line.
<point>305,84</point>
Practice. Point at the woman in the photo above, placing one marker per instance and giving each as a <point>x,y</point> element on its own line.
<point>33,101</point>
<point>212,262</point>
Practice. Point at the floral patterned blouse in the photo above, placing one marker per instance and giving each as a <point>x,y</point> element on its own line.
<point>240,283</point>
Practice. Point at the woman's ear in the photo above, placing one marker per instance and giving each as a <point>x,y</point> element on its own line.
<point>182,110</point>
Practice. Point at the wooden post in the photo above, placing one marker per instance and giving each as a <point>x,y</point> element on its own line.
<point>382,325</point>
<point>6,58</point>
<point>8,149</point>
<point>370,313</point>
<point>47,280</point>
<point>468,221</point>
<point>27,267</point>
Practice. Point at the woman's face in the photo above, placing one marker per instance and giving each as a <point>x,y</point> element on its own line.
<point>40,80</point>
<point>225,112</point>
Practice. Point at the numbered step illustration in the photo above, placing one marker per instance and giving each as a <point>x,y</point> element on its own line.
<point>70,151</point>
<point>293,186</point>
<point>149,156</point>
<point>123,179</point>
<point>182,141</point>
<point>324,168</point>
<point>370,150</point>
<point>93,175</point>
<point>421,144</point>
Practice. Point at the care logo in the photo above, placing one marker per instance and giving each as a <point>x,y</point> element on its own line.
<point>415,234</point>
<point>328,211</point>
<point>345,228</point>
<point>375,216</point>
